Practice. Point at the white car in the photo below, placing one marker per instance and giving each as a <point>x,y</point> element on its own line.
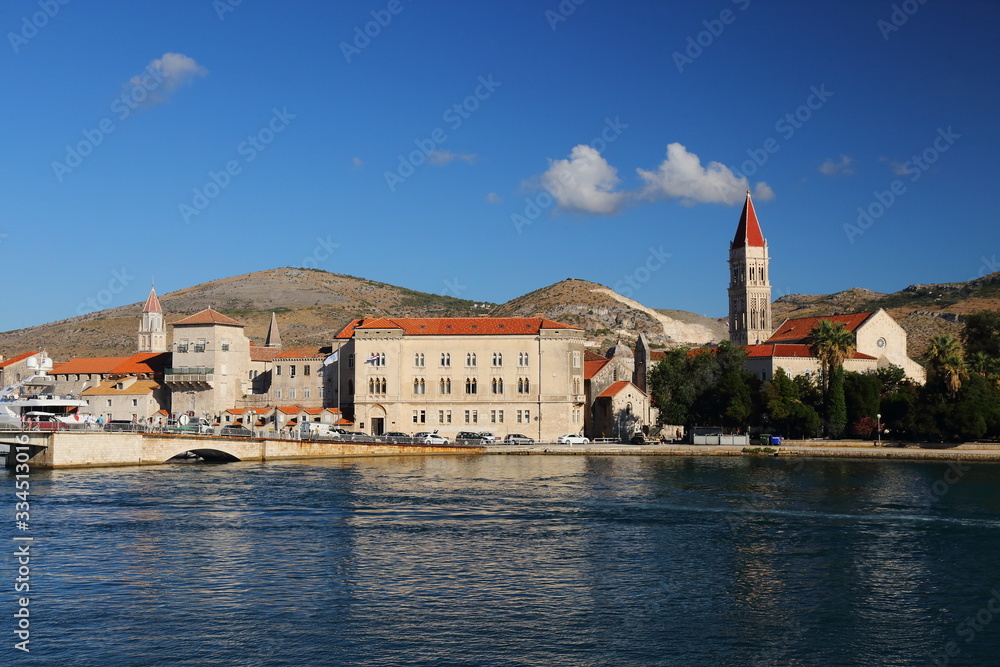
<point>572,440</point>
<point>488,437</point>
<point>431,439</point>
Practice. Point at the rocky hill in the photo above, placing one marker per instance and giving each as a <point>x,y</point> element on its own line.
<point>609,316</point>
<point>923,310</point>
<point>312,305</point>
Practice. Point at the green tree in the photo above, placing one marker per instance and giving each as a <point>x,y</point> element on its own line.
<point>946,363</point>
<point>836,407</point>
<point>831,343</point>
<point>786,412</point>
<point>981,333</point>
<point>891,377</point>
<point>862,396</point>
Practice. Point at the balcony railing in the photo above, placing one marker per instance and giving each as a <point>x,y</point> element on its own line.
<point>189,374</point>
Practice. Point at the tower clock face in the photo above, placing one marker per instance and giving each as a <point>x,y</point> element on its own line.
<point>881,343</point>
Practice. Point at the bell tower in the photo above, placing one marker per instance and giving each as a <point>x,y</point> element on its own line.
<point>152,329</point>
<point>749,282</point>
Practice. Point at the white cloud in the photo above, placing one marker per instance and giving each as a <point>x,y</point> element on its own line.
<point>763,192</point>
<point>585,182</point>
<point>440,158</point>
<point>357,162</point>
<point>843,166</point>
<point>899,168</point>
<point>681,175</point>
<point>163,76</point>
<point>494,198</point>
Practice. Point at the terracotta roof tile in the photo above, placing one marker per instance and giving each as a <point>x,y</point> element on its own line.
<point>20,357</point>
<point>592,368</point>
<point>616,387</point>
<point>107,388</point>
<point>144,362</point>
<point>748,232</point>
<point>88,365</point>
<point>152,304</point>
<point>305,352</point>
<point>797,330</point>
<point>461,326</point>
<point>258,353</point>
<point>208,316</point>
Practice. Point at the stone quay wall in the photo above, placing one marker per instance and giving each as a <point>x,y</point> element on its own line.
<point>63,449</point>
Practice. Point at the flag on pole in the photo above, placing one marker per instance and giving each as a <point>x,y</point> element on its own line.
<point>372,359</point>
<point>332,358</point>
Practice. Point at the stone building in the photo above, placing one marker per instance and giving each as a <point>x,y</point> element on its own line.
<point>504,375</point>
<point>620,411</point>
<point>211,366</point>
<point>749,282</point>
<point>18,368</point>
<point>152,328</point>
<point>128,398</point>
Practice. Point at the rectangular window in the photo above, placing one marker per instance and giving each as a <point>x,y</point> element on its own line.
<point>291,371</point>
<point>415,417</point>
<point>225,346</point>
<point>291,394</point>
<point>305,370</point>
<point>466,414</point>
<point>475,416</point>
<point>350,361</point>
<point>500,416</point>
<point>277,393</point>
<point>306,393</point>
<point>576,360</point>
<point>419,416</point>
<point>277,370</point>
<point>183,345</point>
<point>447,415</point>
<point>135,402</point>
<point>527,416</point>
<point>200,346</point>
<point>109,402</point>
<point>518,418</point>
<point>440,416</point>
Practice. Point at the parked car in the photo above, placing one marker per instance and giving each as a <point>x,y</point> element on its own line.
<point>431,439</point>
<point>395,436</point>
<point>122,425</point>
<point>638,439</point>
<point>518,439</point>
<point>469,436</point>
<point>488,437</point>
<point>571,439</point>
<point>236,432</point>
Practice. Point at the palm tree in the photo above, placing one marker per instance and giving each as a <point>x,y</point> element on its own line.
<point>831,343</point>
<point>947,361</point>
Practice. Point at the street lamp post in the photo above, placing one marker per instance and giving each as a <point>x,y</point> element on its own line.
<point>878,422</point>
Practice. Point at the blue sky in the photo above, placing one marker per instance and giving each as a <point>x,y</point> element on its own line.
<point>486,149</point>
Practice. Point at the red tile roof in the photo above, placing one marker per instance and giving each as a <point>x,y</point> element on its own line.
<point>305,352</point>
<point>20,357</point>
<point>590,355</point>
<point>616,388</point>
<point>462,326</point>
<point>152,304</point>
<point>782,350</point>
<point>258,353</point>
<point>748,232</point>
<point>208,316</point>
<point>797,330</point>
<point>107,388</point>
<point>592,368</point>
<point>144,362</point>
<point>657,355</point>
<point>88,365</point>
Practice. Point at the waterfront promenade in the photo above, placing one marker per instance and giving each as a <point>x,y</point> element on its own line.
<point>101,449</point>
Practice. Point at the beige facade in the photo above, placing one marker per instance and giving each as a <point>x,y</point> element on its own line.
<point>15,369</point>
<point>210,370</point>
<point>300,376</point>
<point>620,411</point>
<point>503,375</point>
<point>127,398</point>
<point>749,282</point>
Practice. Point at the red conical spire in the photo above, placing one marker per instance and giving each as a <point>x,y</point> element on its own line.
<point>152,304</point>
<point>748,233</point>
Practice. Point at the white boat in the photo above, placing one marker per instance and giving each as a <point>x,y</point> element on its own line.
<point>32,402</point>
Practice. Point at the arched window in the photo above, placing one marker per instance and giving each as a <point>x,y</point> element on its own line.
<point>446,359</point>
<point>371,385</point>
<point>383,385</point>
<point>499,385</point>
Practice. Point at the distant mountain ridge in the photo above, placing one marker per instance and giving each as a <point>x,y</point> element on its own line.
<point>312,305</point>
<point>923,311</point>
